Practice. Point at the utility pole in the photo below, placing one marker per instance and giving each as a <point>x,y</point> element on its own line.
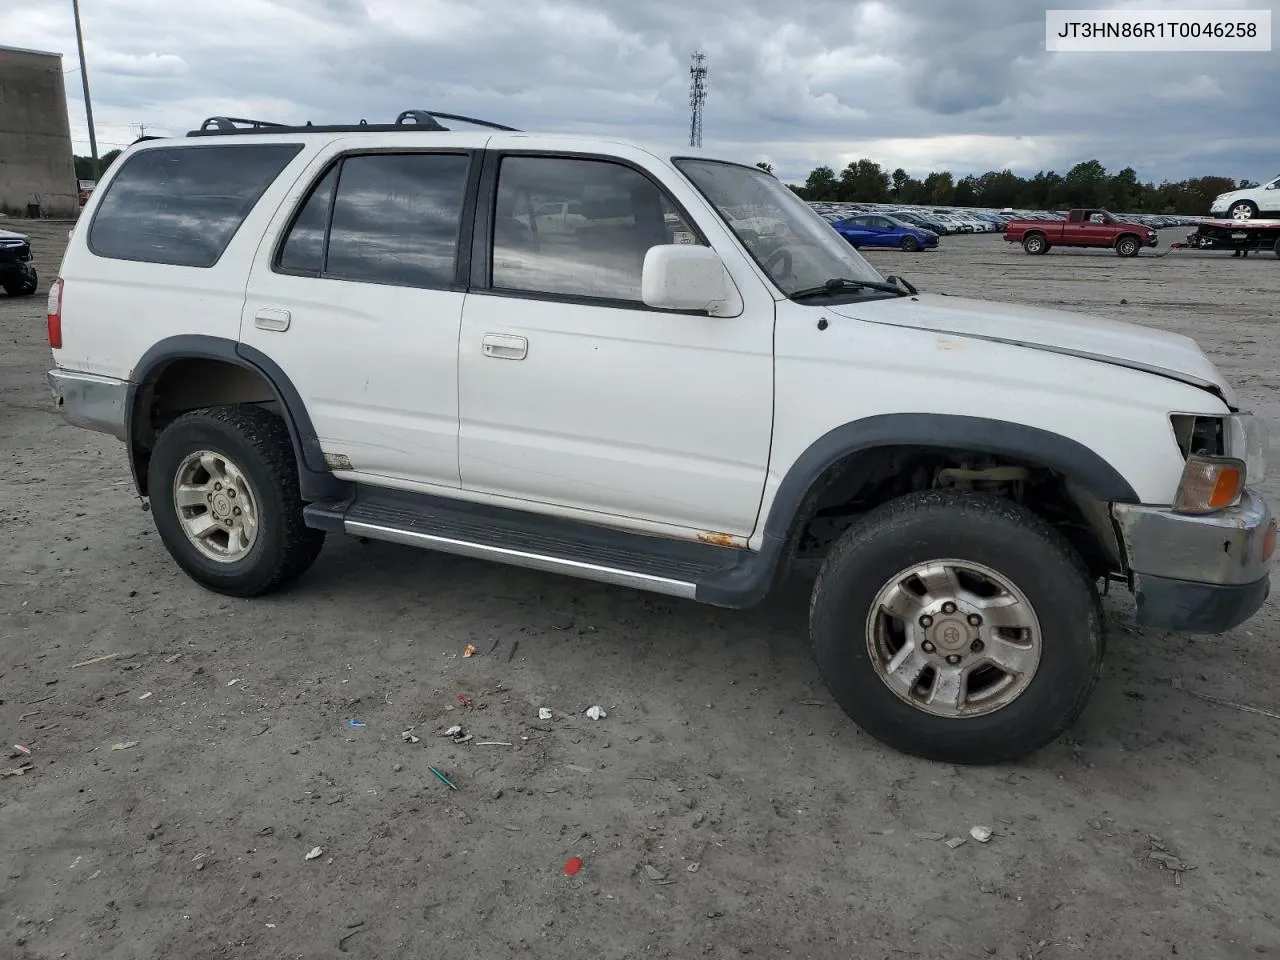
<point>84,82</point>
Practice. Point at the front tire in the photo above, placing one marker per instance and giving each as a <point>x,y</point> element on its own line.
<point>1128,247</point>
<point>910,244</point>
<point>960,628</point>
<point>25,287</point>
<point>1035,244</point>
<point>224,493</point>
<point>1243,210</point>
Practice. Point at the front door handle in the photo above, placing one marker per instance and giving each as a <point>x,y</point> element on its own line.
<point>502,346</point>
<point>269,318</point>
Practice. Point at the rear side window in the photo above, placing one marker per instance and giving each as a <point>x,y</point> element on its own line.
<point>182,205</point>
<point>382,218</point>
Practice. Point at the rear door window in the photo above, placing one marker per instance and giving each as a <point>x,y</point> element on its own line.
<point>182,205</point>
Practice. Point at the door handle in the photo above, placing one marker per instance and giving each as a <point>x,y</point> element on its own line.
<point>501,346</point>
<point>270,318</point>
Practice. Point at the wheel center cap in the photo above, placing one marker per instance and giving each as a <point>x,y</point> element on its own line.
<point>221,506</point>
<point>950,635</point>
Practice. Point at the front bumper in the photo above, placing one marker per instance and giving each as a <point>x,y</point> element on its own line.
<point>90,401</point>
<point>1199,574</point>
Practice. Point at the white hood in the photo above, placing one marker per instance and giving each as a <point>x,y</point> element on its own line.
<point>1057,331</point>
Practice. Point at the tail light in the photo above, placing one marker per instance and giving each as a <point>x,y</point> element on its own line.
<point>55,314</point>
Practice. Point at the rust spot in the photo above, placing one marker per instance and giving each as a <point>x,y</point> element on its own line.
<point>720,539</point>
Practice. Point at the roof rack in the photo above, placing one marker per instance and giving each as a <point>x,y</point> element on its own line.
<point>407,120</point>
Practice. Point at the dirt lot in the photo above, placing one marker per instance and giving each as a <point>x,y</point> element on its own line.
<point>724,807</point>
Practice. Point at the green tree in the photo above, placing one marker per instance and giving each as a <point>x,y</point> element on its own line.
<point>938,188</point>
<point>966,194</point>
<point>766,167</point>
<point>900,179</point>
<point>864,180</point>
<point>1084,185</point>
<point>821,184</point>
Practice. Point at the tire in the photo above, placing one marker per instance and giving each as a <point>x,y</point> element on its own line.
<point>23,288</point>
<point>1276,248</point>
<point>1011,543</point>
<point>1035,244</point>
<point>250,455</point>
<point>910,244</point>
<point>1128,246</point>
<point>1243,210</point>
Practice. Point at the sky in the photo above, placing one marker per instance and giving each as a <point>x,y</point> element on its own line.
<point>960,85</point>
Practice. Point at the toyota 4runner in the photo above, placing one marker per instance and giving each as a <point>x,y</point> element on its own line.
<point>299,331</point>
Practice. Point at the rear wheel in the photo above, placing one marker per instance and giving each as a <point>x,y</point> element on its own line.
<point>1276,248</point>
<point>224,494</point>
<point>957,627</point>
<point>1035,243</point>
<point>910,244</point>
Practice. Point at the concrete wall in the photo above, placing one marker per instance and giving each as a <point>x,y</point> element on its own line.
<point>35,136</point>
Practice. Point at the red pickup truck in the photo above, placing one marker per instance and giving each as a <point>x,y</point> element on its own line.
<point>1083,228</point>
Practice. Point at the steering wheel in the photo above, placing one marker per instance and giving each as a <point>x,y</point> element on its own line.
<point>781,254</point>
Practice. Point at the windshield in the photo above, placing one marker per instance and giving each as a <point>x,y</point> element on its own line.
<point>791,242</point>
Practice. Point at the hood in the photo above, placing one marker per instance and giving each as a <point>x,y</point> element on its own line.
<point>9,235</point>
<point>1056,331</point>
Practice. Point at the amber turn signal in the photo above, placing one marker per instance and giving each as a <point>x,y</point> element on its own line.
<point>1209,484</point>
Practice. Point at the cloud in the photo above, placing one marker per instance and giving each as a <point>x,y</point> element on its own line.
<point>925,85</point>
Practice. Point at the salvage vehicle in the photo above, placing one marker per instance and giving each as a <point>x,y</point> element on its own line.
<point>18,276</point>
<point>882,230</point>
<point>670,402</point>
<point>1249,202</point>
<point>1082,228</point>
<point>1238,236</point>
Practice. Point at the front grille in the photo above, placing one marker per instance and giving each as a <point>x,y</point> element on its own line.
<point>15,253</point>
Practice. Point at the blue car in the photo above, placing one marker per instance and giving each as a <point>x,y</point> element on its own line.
<point>880,230</point>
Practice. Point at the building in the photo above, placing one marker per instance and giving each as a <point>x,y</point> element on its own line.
<point>36,165</point>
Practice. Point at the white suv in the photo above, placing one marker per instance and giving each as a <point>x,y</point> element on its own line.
<point>1262,200</point>
<point>302,331</point>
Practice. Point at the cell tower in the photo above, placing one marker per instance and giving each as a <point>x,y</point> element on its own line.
<point>697,97</point>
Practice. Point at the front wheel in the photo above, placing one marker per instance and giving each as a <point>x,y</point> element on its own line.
<point>1244,210</point>
<point>25,287</point>
<point>1128,247</point>
<point>960,628</point>
<point>910,244</point>
<point>224,493</point>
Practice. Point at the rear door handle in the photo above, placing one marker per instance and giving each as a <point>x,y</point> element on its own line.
<point>269,318</point>
<point>502,346</point>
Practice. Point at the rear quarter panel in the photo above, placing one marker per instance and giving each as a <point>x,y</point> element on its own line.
<point>113,310</point>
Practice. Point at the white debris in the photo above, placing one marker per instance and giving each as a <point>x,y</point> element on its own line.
<point>232,683</point>
<point>314,853</point>
<point>145,695</point>
<point>955,842</point>
<point>544,713</point>
<point>453,731</point>
<point>981,834</point>
<point>596,712</point>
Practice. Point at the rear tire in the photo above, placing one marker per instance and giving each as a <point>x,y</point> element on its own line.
<point>1049,589</point>
<point>230,472</point>
<point>1035,244</point>
<point>910,244</point>
<point>1276,248</point>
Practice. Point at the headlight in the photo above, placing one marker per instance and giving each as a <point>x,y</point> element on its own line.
<point>1239,436</point>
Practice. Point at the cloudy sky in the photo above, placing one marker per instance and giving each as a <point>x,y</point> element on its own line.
<point>964,85</point>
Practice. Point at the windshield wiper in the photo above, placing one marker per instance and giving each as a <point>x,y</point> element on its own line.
<point>839,284</point>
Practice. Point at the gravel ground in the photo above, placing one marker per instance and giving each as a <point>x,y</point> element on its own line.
<point>724,807</point>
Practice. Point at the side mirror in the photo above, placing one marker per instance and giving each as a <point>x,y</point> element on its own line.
<point>681,276</point>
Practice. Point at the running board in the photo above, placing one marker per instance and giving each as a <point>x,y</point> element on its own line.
<point>723,576</point>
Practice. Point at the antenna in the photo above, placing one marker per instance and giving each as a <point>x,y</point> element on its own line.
<point>697,97</point>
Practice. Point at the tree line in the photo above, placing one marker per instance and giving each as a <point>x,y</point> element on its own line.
<point>1087,184</point>
<point>84,165</point>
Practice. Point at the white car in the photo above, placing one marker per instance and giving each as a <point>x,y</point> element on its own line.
<point>304,331</point>
<point>1251,202</point>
